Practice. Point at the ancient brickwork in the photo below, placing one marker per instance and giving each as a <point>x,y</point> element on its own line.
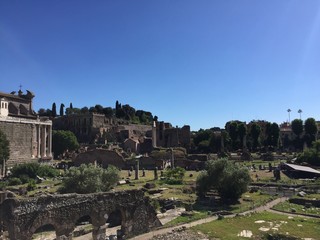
<point>20,136</point>
<point>102,157</point>
<point>29,139</point>
<point>23,217</point>
<point>167,136</point>
<point>91,127</point>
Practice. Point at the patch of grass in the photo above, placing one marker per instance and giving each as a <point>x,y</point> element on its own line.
<point>229,228</point>
<point>288,207</point>
<point>186,219</point>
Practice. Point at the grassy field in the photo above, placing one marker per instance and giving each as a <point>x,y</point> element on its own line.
<point>248,201</point>
<point>229,228</point>
<point>289,207</point>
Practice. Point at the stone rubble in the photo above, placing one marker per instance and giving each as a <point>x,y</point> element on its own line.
<point>181,234</point>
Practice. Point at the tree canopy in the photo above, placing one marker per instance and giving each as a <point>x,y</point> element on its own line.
<point>311,155</point>
<point>89,179</point>
<point>62,141</point>
<point>228,179</point>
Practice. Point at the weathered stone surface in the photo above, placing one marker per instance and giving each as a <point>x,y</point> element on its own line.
<point>24,217</point>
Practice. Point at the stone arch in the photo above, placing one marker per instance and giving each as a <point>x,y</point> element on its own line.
<point>44,228</point>
<point>40,222</point>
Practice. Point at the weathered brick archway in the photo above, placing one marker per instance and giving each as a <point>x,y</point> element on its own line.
<point>24,217</point>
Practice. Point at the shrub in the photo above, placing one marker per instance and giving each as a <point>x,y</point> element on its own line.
<point>228,179</point>
<point>31,185</point>
<point>32,170</point>
<point>3,185</point>
<point>14,181</point>
<point>174,176</point>
<point>89,179</point>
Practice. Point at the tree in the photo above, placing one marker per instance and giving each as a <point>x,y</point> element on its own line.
<point>71,106</point>
<point>62,141</point>
<point>174,176</point>
<point>4,147</point>
<point>275,133</point>
<point>99,108</point>
<point>255,131</point>
<point>297,129</point>
<point>311,129</point>
<point>89,179</point>
<point>242,132</point>
<point>289,111</point>
<point>232,129</point>
<point>300,111</point>
<point>84,110</point>
<point>108,112</point>
<point>54,110</point>
<point>61,109</point>
<point>311,155</point>
<point>228,179</point>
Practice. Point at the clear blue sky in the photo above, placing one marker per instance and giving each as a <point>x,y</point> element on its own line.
<point>193,62</point>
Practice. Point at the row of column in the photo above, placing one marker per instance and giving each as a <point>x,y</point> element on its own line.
<point>44,140</point>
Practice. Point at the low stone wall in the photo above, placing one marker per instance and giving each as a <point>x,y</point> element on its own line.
<point>22,217</point>
<point>305,202</point>
<point>102,157</point>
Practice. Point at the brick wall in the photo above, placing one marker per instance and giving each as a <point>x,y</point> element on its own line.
<point>20,139</point>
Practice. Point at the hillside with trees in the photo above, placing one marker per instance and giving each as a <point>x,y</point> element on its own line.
<point>125,112</point>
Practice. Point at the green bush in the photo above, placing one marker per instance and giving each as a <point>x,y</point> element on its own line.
<point>3,185</point>
<point>14,181</point>
<point>32,170</point>
<point>228,179</point>
<point>174,176</point>
<point>89,179</point>
<point>31,185</point>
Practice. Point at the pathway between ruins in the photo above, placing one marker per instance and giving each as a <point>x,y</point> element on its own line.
<point>151,234</point>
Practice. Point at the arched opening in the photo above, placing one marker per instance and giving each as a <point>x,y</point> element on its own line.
<point>83,226</point>
<point>46,232</point>
<point>113,223</point>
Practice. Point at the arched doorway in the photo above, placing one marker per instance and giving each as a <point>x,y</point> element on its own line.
<point>45,232</point>
<point>83,226</point>
<point>113,223</point>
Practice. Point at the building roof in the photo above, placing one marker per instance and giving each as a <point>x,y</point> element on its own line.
<point>302,168</point>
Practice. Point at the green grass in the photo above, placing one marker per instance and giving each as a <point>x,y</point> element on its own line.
<point>186,219</point>
<point>247,202</point>
<point>229,228</point>
<point>287,207</point>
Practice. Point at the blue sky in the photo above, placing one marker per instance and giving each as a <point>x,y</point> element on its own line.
<point>193,62</point>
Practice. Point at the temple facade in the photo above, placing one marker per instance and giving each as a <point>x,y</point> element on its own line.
<point>30,137</point>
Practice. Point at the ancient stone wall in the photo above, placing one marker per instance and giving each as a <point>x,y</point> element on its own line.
<point>23,217</point>
<point>20,140</point>
<point>102,157</point>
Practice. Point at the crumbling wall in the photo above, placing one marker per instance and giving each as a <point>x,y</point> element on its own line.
<point>23,217</point>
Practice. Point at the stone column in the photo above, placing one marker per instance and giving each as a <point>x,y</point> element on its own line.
<point>43,142</point>
<point>49,141</point>
<point>137,170</point>
<point>39,140</point>
<point>156,173</point>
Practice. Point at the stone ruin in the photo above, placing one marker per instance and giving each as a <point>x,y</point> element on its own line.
<point>22,217</point>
